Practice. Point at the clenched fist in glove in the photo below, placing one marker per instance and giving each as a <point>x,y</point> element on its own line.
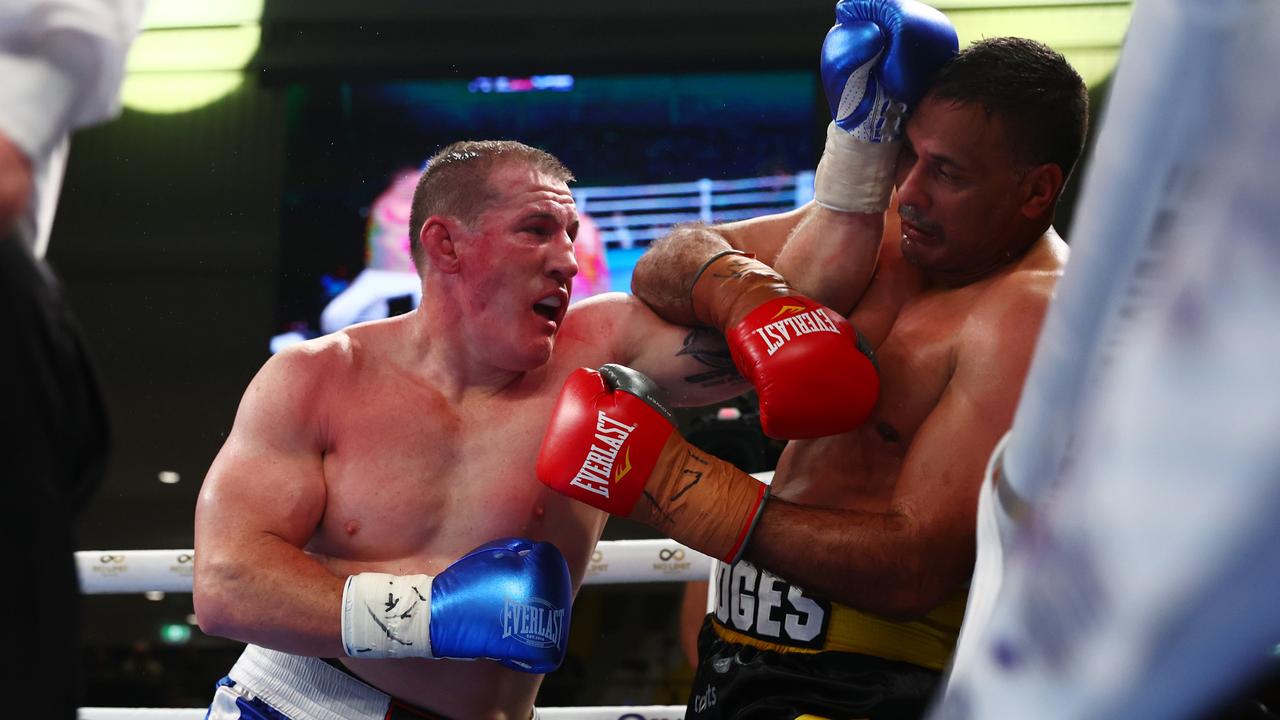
<point>877,62</point>
<point>611,444</point>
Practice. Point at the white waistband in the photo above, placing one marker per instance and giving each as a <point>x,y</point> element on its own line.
<point>307,688</point>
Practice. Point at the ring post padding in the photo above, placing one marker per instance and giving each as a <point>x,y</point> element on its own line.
<point>134,571</point>
<point>635,561</point>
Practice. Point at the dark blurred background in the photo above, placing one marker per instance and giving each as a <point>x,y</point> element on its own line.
<point>200,223</point>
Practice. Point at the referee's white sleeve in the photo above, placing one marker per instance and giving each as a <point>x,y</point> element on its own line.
<point>62,62</point>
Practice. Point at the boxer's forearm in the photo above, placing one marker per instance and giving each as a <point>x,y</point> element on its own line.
<point>874,562</point>
<point>827,255</point>
<point>831,256</point>
<point>270,594</point>
<point>663,277</point>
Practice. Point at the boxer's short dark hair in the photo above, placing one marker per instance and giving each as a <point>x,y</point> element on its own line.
<point>455,181</point>
<point>1032,87</point>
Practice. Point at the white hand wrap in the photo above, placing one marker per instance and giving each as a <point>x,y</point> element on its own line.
<point>387,616</point>
<point>855,176</point>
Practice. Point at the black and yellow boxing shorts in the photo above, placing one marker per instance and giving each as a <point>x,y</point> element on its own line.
<point>771,650</point>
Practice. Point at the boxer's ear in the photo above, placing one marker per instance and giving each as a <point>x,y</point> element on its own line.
<point>1040,188</point>
<point>437,240</point>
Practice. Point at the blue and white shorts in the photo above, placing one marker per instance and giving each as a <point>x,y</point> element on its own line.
<point>269,685</point>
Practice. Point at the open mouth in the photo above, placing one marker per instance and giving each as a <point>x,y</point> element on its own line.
<point>550,307</point>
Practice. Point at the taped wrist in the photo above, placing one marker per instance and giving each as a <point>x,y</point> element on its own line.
<point>853,175</point>
<point>701,501</point>
<point>387,616</point>
<point>731,285</point>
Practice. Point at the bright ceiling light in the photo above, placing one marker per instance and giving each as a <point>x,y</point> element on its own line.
<point>1088,32</point>
<point>190,54</point>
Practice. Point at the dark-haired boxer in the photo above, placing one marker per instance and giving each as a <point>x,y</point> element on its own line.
<point>364,463</point>
<point>845,597</point>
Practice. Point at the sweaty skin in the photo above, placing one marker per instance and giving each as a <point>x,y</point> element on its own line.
<point>882,518</point>
<point>398,445</point>
<point>952,363</point>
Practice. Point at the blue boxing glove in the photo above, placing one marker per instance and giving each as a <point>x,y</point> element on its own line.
<point>877,61</point>
<point>507,600</point>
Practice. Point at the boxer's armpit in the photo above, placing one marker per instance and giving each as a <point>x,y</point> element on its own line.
<point>888,433</point>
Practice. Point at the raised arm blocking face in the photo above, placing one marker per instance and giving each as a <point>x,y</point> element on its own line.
<point>826,255</point>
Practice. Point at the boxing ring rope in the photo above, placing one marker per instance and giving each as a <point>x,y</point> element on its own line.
<point>104,572</point>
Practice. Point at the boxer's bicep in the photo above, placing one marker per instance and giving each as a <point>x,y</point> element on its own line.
<point>937,490</point>
<point>831,256</point>
<point>268,478</point>
<point>827,255</point>
<point>691,363</point>
<point>763,236</point>
<point>259,505</point>
<point>944,465</point>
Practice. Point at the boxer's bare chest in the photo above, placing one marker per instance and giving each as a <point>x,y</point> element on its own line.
<point>412,477</point>
<point>916,334</point>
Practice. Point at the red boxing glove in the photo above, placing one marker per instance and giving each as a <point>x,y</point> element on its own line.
<point>611,444</point>
<point>805,363</point>
<point>811,372</point>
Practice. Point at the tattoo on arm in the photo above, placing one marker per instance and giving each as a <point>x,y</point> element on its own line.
<point>708,348</point>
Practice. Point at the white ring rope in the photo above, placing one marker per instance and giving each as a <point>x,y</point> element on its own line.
<point>614,561</point>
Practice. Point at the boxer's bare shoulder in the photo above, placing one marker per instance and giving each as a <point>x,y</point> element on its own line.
<point>608,327</point>
<point>592,327</point>
<point>947,355</point>
<point>1009,308</point>
<point>314,371</point>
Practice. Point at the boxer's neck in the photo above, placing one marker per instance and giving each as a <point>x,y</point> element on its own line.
<point>441,353</point>
<point>1015,255</point>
